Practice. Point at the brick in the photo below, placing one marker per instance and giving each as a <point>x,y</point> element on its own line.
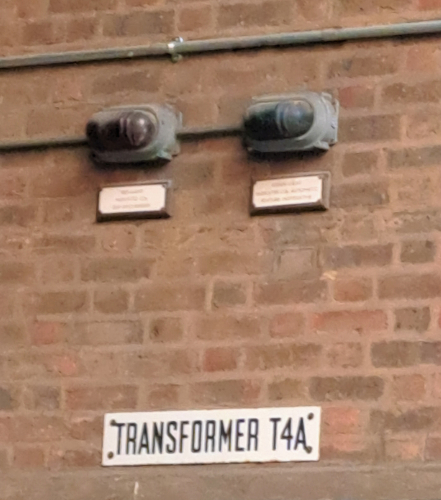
<point>407,448</point>
<point>417,222</point>
<point>85,428</point>
<point>432,449</point>
<point>43,32</point>
<point>58,211</point>
<point>47,333</point>
<point>286,390</point>
<point>225,392</point>
<point>431,353</point>
<point>160,22</point>
<point>55,270</point>
<point>359,163</point>
<point>220,359</point>
<point>356,97</point>
<point>29,10</point>
<point>15,215</point>
<point>163,396</point>
<point>6,399</point>
<point>49,244</point>
<point>429,4</point>
<point>119,397</point>
<point>42,397</point>
<point>403,420</point>
<point>357,256</point>
<point>313,11</point>
<point>12,184</point>
<point>68,6</point>
<point>156,365</point>
<point>36,428</point>
<point>106,333</point>
<point>194,18</point>
<point>215,327</point>
<point>409,387</point>
<point>412,319</point>
<point>111,300</point>
<point>401,93</point>
<point>118,239</point>
<point>48,121</point>
<point>133,81</point>
<point>266,13</point>
<point>287,325</point>
<point>141,3</point>
<point>342,420</point>
<point>367,7</point>
<point>359,194</point>
<point>349,448</point>
<point>345,355</point>
<point>81,29</point>
<point>170,297</point>
<point>28,456</point>
<point>59,302</point>
<point>296,231</point>
<point>369,128</point>
<point>226,262</point>
<point>6,305</point>
<point>395,354</point>
<point>66,181</point>
<point>296,263</point>
<point>359,227</point>
<point>198,175</point>
<point>350,321</point>
<point>436,385</point>
<point>290,292</point>
<point>352,67</point>
<point>344,388</point>
<point>268,357</point>
<point>406,286</point>
<point>173,265</point>
<point>424,125</point>
<point>38,364</point>
<point>353,290</point>
<point>414,157</point>
<point>60,458</point>
<point>116,270</point>
<point>12,335</point>
<point>8,35</point>
<point>198,112</point>
<point>166,330</point>
<point>414,191</point>
<point>228,295</point>
<point>418,252</point>
<point>13,273</point>
<point>422,57</point>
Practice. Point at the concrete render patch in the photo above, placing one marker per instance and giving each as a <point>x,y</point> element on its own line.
<point>229,482</point>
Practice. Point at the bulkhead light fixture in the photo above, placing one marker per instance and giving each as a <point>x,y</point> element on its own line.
<point>303,121</point>
<point>131,134</point>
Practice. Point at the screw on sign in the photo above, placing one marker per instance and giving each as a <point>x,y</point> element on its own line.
<point>224,436</point>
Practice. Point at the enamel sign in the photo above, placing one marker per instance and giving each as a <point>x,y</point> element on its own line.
<point>212,436</point>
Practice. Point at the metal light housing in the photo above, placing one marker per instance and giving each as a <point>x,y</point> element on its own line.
<point>134,134</point>
<point>302,121</point>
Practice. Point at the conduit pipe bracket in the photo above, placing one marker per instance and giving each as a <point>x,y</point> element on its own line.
<point>173,49</point>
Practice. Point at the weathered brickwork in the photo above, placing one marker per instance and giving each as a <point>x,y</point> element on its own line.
<point>213,308</point>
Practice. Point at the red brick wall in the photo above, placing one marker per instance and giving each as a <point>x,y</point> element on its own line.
<point>213,308</point>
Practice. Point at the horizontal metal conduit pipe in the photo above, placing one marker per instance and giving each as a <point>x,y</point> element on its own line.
<point>178,47</point>
<point>186,134</point>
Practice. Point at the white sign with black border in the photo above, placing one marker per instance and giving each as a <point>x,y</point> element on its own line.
<point>212,436</point>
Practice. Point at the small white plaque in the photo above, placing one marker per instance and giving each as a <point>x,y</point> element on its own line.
<point>140,200</point>
<point>212,436</point>
<point>299,192</point>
